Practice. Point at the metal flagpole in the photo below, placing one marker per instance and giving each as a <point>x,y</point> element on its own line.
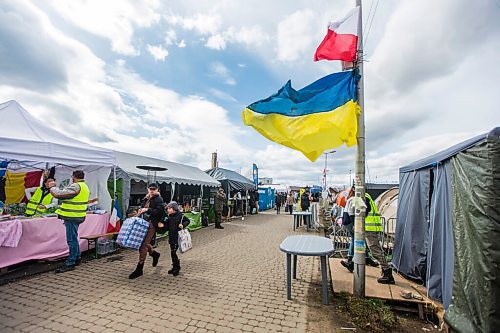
<point>359,221</point>
<point>115,196</point>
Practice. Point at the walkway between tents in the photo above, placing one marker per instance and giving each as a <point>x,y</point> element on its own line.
<point>232,280</point>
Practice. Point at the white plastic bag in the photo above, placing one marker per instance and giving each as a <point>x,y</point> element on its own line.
<point>185,242</point>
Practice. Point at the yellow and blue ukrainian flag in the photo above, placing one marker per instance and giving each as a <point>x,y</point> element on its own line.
<point>311,120</point>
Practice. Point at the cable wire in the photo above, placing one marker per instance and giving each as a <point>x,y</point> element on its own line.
<point>370,26</point>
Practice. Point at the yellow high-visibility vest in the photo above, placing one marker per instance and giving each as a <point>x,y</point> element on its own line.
<point>32,205</point>
<point>372,220</point>
<point>76,206</point>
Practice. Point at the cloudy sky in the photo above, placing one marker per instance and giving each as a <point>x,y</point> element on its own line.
<point>169,79</point>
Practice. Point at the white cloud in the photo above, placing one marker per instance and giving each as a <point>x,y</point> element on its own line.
<point>158,52</point>
<point>216,42</point>
<point>429,83</point>
<point>205,24</point>
<point>295,35</point>
<point>115,20</point>
<point>170,37</point>
<point>253,36</point>
<point>125,112</point>
<point>219,70</point>
<point>222,95</point>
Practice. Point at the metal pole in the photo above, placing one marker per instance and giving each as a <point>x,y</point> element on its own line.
<point>324,171</point>
<point>115,197</point>
<point>359,221</point>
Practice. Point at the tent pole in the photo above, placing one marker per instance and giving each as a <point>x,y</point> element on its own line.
<point>114,182</point>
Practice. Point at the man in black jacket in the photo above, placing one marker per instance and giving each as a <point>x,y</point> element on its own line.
<point>220,197</point>
<point>305,201</point>
<point>176,222</point>
<point>152,208</point>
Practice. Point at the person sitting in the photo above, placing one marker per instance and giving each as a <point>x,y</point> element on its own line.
<point>39,199</point>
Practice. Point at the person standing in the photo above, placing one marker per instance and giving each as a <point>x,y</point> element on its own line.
<point>39,198</point>
<point>278,203</point>
<point>73,210</point>
<point>305,201</point>
<point>220,197</point>
<point>153,209</point>
<point>290,201</point>
<point>348,223</point>
<point>176,222</point>
<point>256,198</point>
<point>373,227</point>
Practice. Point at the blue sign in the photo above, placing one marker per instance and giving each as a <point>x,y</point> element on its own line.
<point>255,175</point>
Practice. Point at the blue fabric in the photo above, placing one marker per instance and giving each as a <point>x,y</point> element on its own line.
<point>3,167</point>
<point>350,229</point>
<point>72,240</point>
<point>350,252</point>
<point>323,95</point>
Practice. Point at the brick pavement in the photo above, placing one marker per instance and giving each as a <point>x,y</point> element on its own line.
<point>233,280</point>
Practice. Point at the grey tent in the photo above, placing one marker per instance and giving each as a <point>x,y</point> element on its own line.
<point>231,180</point>
<point>448,230</point>
<point>175,173</point>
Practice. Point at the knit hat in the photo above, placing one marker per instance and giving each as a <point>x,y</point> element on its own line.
<point>173,205</point>
<point>153,186</point>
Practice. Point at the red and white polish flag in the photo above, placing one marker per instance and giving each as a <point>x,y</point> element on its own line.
<point>341,40</point>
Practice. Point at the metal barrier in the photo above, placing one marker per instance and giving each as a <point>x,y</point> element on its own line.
<point>314,219</point>
<point>388,234</point>
<point>340,238</point>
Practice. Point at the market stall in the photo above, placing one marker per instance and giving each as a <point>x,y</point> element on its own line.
<point>233,182</point>
<point>43,238</point>
<point>28,147</point>
<point>187,185</point>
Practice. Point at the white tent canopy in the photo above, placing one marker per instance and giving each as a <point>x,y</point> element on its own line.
<point>176,173</point>
<point>27,143</point>
<point>25,138</point>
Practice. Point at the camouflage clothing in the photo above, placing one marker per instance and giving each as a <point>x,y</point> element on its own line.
<point>219,202</point>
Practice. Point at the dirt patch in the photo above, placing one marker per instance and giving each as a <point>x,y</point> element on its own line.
<point>346,313</point>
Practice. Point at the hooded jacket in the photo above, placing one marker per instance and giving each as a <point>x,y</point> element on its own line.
<point>173,226</point>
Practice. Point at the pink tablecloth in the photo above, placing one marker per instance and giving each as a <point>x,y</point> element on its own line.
<point>45,238</point>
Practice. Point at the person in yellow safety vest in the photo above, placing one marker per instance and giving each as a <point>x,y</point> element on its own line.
<point>373,227</point>
<point>73,210</point>
<point>39,199</point>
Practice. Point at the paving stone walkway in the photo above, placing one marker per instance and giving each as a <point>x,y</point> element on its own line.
<point>233,280</point>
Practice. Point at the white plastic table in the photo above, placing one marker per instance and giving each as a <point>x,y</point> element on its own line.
<point>304,245</point>
<point>298,215</point>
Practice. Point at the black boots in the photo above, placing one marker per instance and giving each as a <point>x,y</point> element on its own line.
<point>176,267</point>
<point>386,277</point>
<point>65,268</point>
<point>138,271</point>
<point>349,264</point>
<point>370,262</point>
<point>156,257</point>
<point>218,226</point>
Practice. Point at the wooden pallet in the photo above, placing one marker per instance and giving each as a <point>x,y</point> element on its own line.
<point>343,281</point>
